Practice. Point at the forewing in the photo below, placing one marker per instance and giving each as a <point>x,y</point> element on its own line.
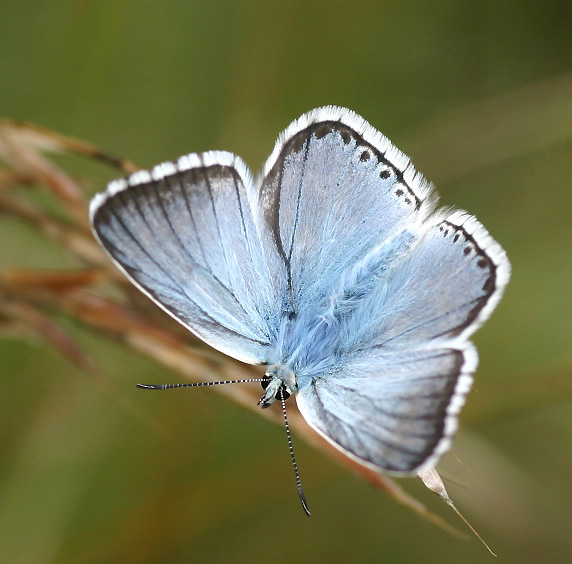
<point>184,233</point>
<point>394,411</point>
<point>333,189</point>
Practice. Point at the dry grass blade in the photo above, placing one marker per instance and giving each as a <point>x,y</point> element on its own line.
<point>22,146</point>
<point>433,481</point>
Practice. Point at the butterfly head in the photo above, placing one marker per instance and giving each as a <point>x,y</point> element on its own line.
<point>279,383</point>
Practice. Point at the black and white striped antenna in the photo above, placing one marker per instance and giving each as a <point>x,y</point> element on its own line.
<point>245,381</point>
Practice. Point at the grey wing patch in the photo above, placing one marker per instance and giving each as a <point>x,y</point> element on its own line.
<point>395,412</point>
<point>184,234</point>
<point>333,189</point>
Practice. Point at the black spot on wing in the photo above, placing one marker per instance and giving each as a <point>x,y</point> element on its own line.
<point>348,134</point>
<point>484,262</point>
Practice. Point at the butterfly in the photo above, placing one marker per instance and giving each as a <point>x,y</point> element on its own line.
<point>333,268</point>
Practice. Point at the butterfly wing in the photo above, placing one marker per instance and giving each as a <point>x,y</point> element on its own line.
<point>440,289</point>
<point>332,189</point>
<point>395,411</point>
<point>185,234</point>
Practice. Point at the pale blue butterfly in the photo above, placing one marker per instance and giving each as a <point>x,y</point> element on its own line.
<point>332,268</point>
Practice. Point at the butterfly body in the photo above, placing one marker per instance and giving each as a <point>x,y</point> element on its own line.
<point>333,268</point>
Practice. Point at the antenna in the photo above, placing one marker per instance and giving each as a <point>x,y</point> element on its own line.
<point>197,384</point>
<point>291,449</point>
<point>244,381</point>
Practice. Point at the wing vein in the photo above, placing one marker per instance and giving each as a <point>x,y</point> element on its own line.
<point>299,197</point>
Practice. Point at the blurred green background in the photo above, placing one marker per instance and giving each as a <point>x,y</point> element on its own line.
<point>478,93</point>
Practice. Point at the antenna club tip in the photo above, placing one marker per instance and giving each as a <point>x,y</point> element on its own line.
<point>304,503</point>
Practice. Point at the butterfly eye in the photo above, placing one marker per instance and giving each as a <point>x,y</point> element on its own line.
<point>282,393</point>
